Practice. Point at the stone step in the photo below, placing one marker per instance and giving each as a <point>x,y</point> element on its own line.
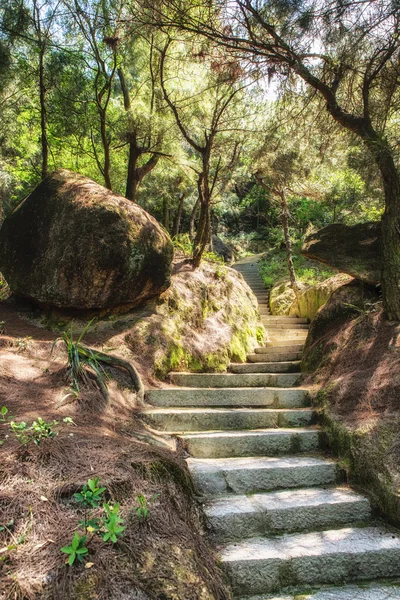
<point>232,380</point>
<point>296,347</point>
<point>208,419</point>
<point>216,477</point>
<point>264,309</point>
<point>296,337</point>
<point>275,319</point>
<point>364,591</point>
<point>271,367</point>
<point>281,343</point>
<point>262,565</point>
<point>283,356</point>
<point>260,442</point>
<point>273,325</point>
<point>235,397</point>
<point>242,516</point>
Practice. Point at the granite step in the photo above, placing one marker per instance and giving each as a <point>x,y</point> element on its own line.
<point>364,591</point>
<point>265,565</point>
<point>289,347</point>
<point>269,367</point>
<point>283,356</point>
<point>232,380</point>
<point>208,419</point>
<point>244,516</point>
<point>215,477</point>
<point>259,442</point>
<point>235,397</point>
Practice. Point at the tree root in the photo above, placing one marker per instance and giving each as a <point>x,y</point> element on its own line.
<point>115,361</point>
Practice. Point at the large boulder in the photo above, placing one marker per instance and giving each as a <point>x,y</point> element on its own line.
<point>283,300</point>
<point>73,244</point>
<point>222,249</point>
<point>355,249</point>
<point>346,302</point>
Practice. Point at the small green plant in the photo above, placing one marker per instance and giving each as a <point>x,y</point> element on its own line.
<point>143,508</point>
<point>79,360</point>
<point>38,430</point>
<point>23,343</point>
<point>77,550</point>
<point>91,494</point>
<point>112,524</point>
<point>2,327</point>
<point>3,414</point>
<point>8,526</point>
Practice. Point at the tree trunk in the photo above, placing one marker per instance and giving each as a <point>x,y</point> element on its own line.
<point>43,116</point>
<point>178,216</point>
<point>166,213</point>
<point>192,220</point>
<point>203,234</point>
<point>288,243</point>
<point>131,180</point>
<point>106,150</point>
<point>390,228</point>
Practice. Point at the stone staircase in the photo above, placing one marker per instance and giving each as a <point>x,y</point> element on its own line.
<point>285,525</point>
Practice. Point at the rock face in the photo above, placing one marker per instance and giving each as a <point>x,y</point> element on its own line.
<point>222,249</point>
<point>355,249</point>
<point>347,301</point>
<point>73,244</point>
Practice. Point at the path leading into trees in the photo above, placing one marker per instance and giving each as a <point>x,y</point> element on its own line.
<point>282,518</point>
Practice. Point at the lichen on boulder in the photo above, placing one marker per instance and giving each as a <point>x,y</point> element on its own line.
<point>73,244</point>
<point>310,298</point>
<point>355,249</point>
<point>206,319</point>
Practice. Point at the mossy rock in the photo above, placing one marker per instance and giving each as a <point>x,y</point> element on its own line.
<point>346,302</point>
<point>351,249</point>
<point>73,244</point>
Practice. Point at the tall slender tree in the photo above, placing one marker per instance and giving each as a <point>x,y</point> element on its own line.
<point>348,53</point>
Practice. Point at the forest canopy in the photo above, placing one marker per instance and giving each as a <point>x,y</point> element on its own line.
<point>208,114</point>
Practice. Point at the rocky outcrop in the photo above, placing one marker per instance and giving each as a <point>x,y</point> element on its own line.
<point>355,249</point>
<point>222,249</point>
<point>73,244</point>
<point>347,301</point>
<point>283,300</point>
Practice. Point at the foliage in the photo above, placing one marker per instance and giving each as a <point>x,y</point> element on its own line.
<point>79,359</point>
<point>38,430</point>
<point>273,268</point>
<point>112,523</point>
<point>76,550</point>
<point>91,494</point>
<point>143,508</point>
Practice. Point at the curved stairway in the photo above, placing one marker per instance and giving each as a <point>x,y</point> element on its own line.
<point>274,503</point>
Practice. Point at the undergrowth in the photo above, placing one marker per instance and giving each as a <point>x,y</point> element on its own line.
<point>182,243</point>
<point>274,268</point>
